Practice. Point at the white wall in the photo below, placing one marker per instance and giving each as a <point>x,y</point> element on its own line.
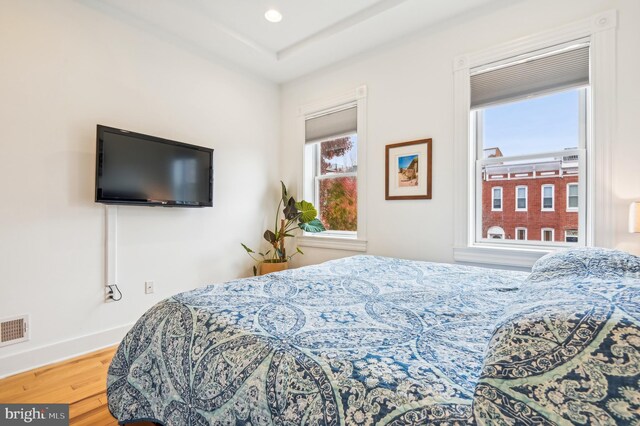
<point>410,87</point>
<point>65,67</point>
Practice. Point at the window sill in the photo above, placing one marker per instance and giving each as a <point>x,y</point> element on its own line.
<point>500,256</point>
<point>332,242</point>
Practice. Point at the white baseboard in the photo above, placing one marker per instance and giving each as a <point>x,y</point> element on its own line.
<point>60,351</point>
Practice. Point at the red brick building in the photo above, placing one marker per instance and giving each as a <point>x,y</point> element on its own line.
<point>536,201</point>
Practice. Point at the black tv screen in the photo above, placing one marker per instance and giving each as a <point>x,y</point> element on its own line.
<point>132,168</point>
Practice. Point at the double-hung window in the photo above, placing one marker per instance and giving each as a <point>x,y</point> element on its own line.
<point>529,117</point>
<point>547,198</point>
<point>521,200</point>
<point>533,111</point>
<point>496,199</point>
<point>572,197</point>
<point>334,154</point>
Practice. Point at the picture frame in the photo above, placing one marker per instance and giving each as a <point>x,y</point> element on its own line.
<point>408,170</point>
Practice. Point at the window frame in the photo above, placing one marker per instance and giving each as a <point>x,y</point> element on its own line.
<point>337,240</point>
<point>526,233</point>
<point>553,197</point>
<point>553,234</point>
<point>596,194</point>
<point>568,208</point>
<point>493,191</point>
<point>526,199</point>
<point>565,235</point>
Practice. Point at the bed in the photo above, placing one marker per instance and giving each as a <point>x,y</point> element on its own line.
<point>370,340</point>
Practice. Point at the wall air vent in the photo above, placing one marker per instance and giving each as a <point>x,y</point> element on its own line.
<point>14,330</point>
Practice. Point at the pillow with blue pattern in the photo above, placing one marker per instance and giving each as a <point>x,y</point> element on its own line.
<point>589,262</point>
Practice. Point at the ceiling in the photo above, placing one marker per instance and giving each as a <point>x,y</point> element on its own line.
<point>311,35</point>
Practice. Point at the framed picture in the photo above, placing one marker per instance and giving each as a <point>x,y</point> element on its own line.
<point>408,170</point>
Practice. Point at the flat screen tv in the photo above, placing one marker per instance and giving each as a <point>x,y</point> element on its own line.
<point>137,169</point>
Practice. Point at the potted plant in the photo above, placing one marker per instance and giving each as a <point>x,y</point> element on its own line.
<point>294,215</point>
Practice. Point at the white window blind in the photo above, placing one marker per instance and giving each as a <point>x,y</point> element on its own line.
<point>332,125</point>
<point>537,74</point>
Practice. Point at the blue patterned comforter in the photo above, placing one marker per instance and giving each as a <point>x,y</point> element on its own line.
<point>369,340</point>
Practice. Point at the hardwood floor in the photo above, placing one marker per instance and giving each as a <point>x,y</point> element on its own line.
<point>80,382</point>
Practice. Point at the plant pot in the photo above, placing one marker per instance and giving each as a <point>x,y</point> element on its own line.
<point>269,267</point>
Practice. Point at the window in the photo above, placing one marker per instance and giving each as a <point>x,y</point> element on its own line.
<point>495,233</point>
<point>547,234</point>
<point>571,236</point>
<point>334,178</point>
<point>511,79</point>
<point>521,199</point>
<point>521,233</point>
<point>496,199</point>
<point>332,153</point>
<point>529,120</point>
<point>572,197</point>
<point>547,197</point>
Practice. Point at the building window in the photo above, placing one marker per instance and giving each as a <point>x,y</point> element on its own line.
<point>529,130</point>
<point>547,234</point>
<point>495,233</point>
<point>521,199</point>
<point>521,234</point>
<point>571,236</point>
<point>331,157</point>
<point>547,198</point>
<point>496,199</point>
<point>572,197</point>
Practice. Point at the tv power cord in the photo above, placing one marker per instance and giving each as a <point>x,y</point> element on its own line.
<point>111,293</point>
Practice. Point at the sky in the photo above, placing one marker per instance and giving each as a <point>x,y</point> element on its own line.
<point>403,162</point>
<point>543,124</point>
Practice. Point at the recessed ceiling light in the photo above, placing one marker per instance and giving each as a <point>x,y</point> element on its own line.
<point>273,15</point>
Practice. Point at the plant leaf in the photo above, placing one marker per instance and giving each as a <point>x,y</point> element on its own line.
<point>298,250</point>
<point>285,195</point>
<point>308,211</point>
<point>269,236</point>
<point>247,248</point>
<point>290,211</point>
<point>312,226</point>
<point>255,271</point>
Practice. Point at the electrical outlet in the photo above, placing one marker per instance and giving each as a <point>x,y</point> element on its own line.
<point>148,287</point>
<point>108,295</point>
